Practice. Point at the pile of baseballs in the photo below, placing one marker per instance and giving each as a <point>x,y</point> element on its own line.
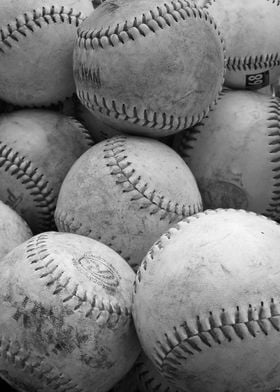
<point>139,195</point>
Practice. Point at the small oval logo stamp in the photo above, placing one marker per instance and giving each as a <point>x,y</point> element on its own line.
<point>98,271</point>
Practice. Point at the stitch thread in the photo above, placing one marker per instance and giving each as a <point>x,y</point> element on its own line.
<point>250,63</point>
<point>273,208</point>
<point>149,22</point>
<point>30,21</point>
<point>189,138</point>
<point>169,234</point>
<point>187,340</point>
<point>59,283</point>
<point>34,182</point>
<point>129,180</point>
<point>15,354</point>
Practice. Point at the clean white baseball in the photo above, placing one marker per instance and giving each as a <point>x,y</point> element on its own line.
<point>207,303</point>
<point>149,68</point>
<point>37,148</point>
<point>126,191</point>
<point>234,153</point>
<point>36,47</point>
<point>13,229</point>
<point>250,29</point>
<point>65,315</point>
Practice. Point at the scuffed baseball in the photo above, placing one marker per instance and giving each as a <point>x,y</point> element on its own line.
<point>250,29</point>
<point>210,288</point>
<point>150,69</point>
<point>13,230</point>
<point>36,49</point>
<point>65,315</point>
<point>234,153</point>
<point>125,192</point>
<point>37,148</point>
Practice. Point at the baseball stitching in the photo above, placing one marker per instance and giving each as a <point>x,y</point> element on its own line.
<point>15,354</point>
<point>189,138</point>
<point>250,63</point>
<point>58,282</point>
<point>30,21</point>
<point>185,340</point>
<point>35,183</point>
<point>273,208</point>
<point>148,23</point>
<point>129,181</point>
<point>145,376</point>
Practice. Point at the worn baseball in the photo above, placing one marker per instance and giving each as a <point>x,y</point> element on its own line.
<point>125,192</point>
<point>210,286</point>
<point>13,229</point>
<point>234,153</point>
<point>144,377</point>
<point>36,49</point>
<point>37,148</point>
<point>65,315</point>
<point>149,68</point>
<point>250,29</point>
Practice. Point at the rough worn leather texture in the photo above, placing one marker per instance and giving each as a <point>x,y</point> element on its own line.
<point>251,30</point>
<point>13,230</point>
<point>37,148</point>
<point>149,68</point>
<point>36,47</point>
<point>65,316</point>
<point>126,191</point>
<point>211,289</point>
<point>234,153</point>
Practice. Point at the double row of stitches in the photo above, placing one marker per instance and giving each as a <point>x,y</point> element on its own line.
<point>190,338</point>
<point>34,182</point>
<point>30,21</point>
<point>153,20</point>
<point>250,63</point>
<point>273,209</point>
<point>56,279</point>
<point>131,182</point>
<point>14,354</point>
<point>150,22</point>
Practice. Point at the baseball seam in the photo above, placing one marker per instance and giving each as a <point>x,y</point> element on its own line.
<point>15,354</point>
<point>188,339</point>
<point>129,180</point>
<point>160,243</point>
<point>30,21</point>
<point>250,63</point>
<point>85,133</point>
<point>56,279</point>
<point>273,208</point>
<point>150,22</point>
<point>146,378</point>
<point>34,182</point>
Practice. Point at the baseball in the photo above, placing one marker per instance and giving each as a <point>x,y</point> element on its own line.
<point>37,148</point>
<point>210,286</point>
<point>250,29</point>
<point>13,230</point>
<point>234,153</point>
<point>149,68</point>
<point>65,315</point>
<point>36,49</point>
<point>125,192</point>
